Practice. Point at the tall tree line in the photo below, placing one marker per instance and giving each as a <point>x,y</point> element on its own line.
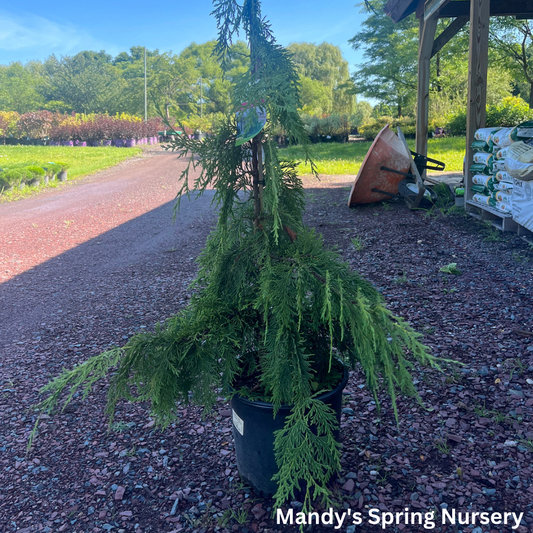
<point>191,83</point>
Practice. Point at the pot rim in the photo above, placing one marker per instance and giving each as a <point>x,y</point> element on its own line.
<point>269,406</point>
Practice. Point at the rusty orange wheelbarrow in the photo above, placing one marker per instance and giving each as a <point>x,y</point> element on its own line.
<point>389,162</point>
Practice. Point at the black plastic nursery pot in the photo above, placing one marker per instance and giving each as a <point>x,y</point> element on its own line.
<point>253,432</point>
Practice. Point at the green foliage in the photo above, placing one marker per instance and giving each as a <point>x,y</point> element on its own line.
<point>325,83</point>
<point>36,171</point>
<point>451,269</point>
<point>271,306</point>
<point>304,449</point>
<point>19,87</point>
<point>442,446</point>
<point>12,177</point>
<point>86,82</point>
<point>334,127</point>
<point>511,111</point>
<point>372,128</point>
<point>62,166</point>
<point>390,51</point>
<point>358,244</point>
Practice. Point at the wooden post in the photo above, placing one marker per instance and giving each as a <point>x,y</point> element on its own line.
<point>477,79</point>
<point>427,35</point>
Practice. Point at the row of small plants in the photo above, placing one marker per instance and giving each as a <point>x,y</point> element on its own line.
<point>45,127</point>
<point>22,174</point>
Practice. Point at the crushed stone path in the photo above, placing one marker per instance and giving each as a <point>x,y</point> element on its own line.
<point>58,247</point>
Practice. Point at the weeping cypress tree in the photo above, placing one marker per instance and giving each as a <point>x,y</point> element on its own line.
<point>272,309</point>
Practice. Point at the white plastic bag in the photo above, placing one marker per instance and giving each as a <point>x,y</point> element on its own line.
<point>504,137</point>
<point>519,161</point>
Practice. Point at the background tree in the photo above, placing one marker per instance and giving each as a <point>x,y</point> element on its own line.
<point>85,83</point>
<point>131,68</point>
<point>511,41</point>
<point>19,87</point>
<point>171,85</point>
<point>216,84</point>
<point>324,78</point>
<point>390,71</point>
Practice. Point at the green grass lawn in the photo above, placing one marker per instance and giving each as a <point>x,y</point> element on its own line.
<point>336,158</point>
<point>81,160</point>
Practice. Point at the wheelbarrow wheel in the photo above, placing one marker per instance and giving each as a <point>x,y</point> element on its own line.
<point>408,190</point>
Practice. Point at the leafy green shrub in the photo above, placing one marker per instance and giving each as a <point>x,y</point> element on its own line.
<point>4,184</point>
<point>62,166</point>
<point>373,127</point>
<point>511,111</point>
<point>51,169</point>
<point>456,123</point>
<point>13,177</point>
<point>333,127</point>
<point>36,171</point>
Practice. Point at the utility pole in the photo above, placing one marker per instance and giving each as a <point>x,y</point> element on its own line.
<point>201,100</point>
<point>145,100</point>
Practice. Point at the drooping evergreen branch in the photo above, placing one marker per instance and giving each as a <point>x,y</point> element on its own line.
<point>272,307</point>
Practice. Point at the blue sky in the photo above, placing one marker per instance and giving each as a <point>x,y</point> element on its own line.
<point>36,29</point>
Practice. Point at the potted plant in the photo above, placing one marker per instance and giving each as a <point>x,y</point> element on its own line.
<point>12,178</point>
<point>62,171</point>
<point>275,315</point>
<point>51,170</point>
<point>37,173</point>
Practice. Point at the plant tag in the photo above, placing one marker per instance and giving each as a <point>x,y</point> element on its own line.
<point>238,422</point>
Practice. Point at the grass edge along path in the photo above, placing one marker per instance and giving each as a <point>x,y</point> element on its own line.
<point>82,161</point>
<point>346,158</point>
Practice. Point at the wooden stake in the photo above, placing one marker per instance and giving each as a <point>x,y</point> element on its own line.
<point>477,80</point>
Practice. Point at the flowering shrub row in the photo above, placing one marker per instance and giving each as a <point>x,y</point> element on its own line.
<point>93,128</point>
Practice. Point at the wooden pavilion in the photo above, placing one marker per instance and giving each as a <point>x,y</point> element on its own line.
<point>478,13</point>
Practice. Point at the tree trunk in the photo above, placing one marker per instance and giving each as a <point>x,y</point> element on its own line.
<point>257,157</point>
<point>531,96</point>
<point>257,178</point>
<point>167,111</point>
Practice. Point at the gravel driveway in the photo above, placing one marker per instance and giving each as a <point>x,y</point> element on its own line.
<point>86,267</point>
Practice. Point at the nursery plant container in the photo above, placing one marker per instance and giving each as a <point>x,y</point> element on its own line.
<point>106,143</point>
<point>62,176</point>
<point>119,143</point>
<point>67,143</point>
<point>35,182</point>
<point>253,432</point>
<point>130,143</point>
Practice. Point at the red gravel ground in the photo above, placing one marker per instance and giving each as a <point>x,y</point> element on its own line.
<point>86,267</point>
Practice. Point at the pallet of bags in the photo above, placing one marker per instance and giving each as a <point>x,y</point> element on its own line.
<point>519,161</point>
<point>522,194</point>
<point>499,201</point>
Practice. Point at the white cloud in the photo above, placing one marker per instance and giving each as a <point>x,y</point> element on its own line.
<point>36,36</point>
